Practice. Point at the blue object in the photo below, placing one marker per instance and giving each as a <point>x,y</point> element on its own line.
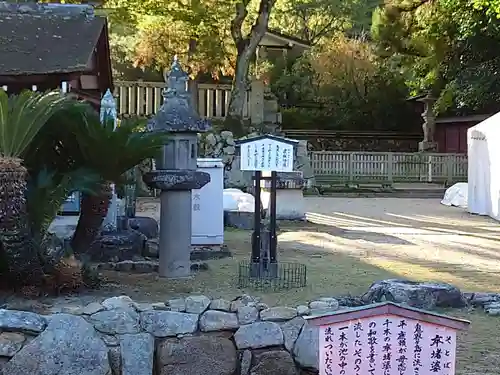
<point>72,204</point>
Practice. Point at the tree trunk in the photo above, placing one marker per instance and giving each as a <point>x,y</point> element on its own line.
<point>20,259</point>
<point>246,47</point>
<point>234,116</point>
<point>94,209</point>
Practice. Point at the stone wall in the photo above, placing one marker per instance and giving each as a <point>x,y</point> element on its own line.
<point>324,140</point>
<point>193,335</point>
<point>188,336</point>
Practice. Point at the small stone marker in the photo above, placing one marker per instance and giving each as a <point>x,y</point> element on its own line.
<point>387,339</point>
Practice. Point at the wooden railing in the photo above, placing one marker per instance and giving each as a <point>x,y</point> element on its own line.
<point>334,167</point>
<point>145,98</point>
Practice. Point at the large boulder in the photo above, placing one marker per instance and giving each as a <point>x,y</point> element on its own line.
<point>196,356</point>
<point>291,330</point>
<point>258,335</point>
<point>116,321</point>
<point>146,225</point>
<point>117,246</point>
<point>69,345</point>
<point>214,320</point>
<point>137,352</point>
<point>416,294</point>
<point>306,348</point>
<point>168,323</point>
<point>21,320</point>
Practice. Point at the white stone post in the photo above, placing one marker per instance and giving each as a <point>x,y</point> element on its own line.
<point>108,111</point>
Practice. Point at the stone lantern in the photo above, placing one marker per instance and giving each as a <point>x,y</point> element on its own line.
<point>176,173</point>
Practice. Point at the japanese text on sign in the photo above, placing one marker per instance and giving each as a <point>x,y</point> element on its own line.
<point>387,345</point>
<point>267,155</point>
<point>196,202</point>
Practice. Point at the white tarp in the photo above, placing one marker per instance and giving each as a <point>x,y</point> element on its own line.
<point>456,195</point>
<point>483,143</point>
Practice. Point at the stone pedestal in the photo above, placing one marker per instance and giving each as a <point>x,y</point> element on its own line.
<point>290,203</point>
<point>175,233</point>
<point>425,146</point>
<point>175,217</point>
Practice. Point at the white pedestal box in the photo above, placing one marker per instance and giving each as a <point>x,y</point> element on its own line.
<point>208,207</point>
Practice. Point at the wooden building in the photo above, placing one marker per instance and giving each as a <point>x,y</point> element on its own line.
<point>451,132</point>
<point>44,45</point>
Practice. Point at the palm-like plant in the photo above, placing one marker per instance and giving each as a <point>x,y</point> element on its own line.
<point>21,119</point>
<point>110,152</point>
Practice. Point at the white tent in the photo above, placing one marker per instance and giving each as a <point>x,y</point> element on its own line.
<point>483,142</point>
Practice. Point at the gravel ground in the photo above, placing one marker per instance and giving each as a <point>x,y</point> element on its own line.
<point>417,238</point>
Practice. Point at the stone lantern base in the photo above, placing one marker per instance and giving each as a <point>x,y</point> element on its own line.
<point>425,146</point>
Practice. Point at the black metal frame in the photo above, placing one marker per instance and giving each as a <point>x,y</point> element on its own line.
<point>263,270</point>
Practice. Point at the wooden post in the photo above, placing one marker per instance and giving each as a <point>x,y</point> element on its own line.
<point>350,167</point>
<point>193,90</point>
<point>429,168</point>
<point>256,229</point>
<point>449,169</point>
<point>390,162</point>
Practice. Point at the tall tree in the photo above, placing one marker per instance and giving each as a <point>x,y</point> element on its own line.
<point>315,20</point>
<point>246,46</point>
<point>198,31</point>
<point>447,46</point>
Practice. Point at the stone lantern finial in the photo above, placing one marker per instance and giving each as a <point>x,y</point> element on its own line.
<point>177,113</point>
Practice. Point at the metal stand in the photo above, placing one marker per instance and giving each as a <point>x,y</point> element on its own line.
<point>263,270</point>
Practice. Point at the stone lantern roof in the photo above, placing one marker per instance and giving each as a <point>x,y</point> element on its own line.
<point>177,113</point>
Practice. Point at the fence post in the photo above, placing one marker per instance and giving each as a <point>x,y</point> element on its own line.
<point>449,169</point>
<point>429,168</point>
<point>390,161</point>
<point>350,167</point>
<point>193,90</point>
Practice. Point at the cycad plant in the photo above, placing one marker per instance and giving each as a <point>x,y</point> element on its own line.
<point>22,117</point>
<point>110,152</point>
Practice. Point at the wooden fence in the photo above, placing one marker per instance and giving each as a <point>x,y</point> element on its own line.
<point>145,98</point>
<point>332,167</point>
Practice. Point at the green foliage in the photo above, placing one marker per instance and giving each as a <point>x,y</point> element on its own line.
<point>47,191</point>
<point>76,152</point>
<point>316,21</point>
<point>23,116</point>
<point>111,152</point>
<point>75,139</point>
<point>343,86</point>
<point>447,46</point>
<point>148,34</point>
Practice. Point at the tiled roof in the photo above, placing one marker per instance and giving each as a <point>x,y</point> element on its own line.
<point>47,38</point>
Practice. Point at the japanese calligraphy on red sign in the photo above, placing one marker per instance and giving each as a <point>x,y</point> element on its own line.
<point>387,345</point>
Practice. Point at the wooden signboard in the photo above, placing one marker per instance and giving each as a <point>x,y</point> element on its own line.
<point>267,153</point>
<point>387,339</point>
